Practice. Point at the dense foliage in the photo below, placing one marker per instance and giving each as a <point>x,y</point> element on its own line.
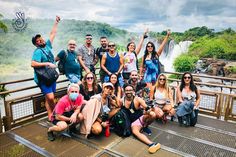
<point>185,63</point>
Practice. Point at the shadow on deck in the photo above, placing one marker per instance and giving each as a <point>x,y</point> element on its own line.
<point>210,137</point>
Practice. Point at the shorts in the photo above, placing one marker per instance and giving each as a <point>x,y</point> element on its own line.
<point>138,122</point>
<point>126,75</point>
<point>73,78</point>
<point>66,114</point>
<point>47,89</point>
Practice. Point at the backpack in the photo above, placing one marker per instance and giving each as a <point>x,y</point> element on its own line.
<point>122,123</point>
<point>61,63</point>
<point>135,57</point>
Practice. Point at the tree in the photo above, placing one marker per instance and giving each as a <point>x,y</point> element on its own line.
<point>2,25</point>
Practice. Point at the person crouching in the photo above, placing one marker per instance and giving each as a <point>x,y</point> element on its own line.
<point>66,111</point>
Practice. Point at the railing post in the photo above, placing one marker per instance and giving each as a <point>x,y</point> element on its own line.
<point>0,122</point>
<point>7,123</point>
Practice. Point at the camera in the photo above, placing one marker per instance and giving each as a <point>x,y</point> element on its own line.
<point>104,117</point>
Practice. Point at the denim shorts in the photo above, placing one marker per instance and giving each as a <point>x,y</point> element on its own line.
<point>47,89</point>
<point>73,78</point>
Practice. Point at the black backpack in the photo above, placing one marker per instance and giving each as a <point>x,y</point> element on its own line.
<point>61,63</point>
<point>122,123</point>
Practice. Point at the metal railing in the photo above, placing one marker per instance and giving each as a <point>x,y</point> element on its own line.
<point>22,109</point>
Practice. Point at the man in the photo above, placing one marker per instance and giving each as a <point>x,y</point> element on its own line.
<point>71,64</point>
<point>139,118</point>
<point>42,57</point>
<point>135,82</point>
<point>67,111</point>
<point>86,55</point>
<point>112,63</point>
<point>99,53</point>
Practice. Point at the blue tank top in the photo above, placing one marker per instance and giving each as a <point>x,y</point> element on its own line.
<point>112,63</point>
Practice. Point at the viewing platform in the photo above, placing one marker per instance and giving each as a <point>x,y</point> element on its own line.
<point>26,126</point>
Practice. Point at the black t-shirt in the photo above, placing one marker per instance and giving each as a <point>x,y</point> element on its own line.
<point>90,93</point>
<point>100,51</point>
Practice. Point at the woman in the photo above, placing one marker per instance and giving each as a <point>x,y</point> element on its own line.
<point>89,86</point>
<point>99,109</point>
<point>150,61</point>
<point>130,57</point>
<point>189,98</point>
<point>117,88</point>
<point>162,94</point>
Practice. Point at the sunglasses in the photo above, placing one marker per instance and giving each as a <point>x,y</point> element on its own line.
<point>111,45</point>
<point>89,38</point>
<point>89,78</point>
<point>72,44</point>
<point>149,46</point>
<point>162,79</point>
<point>187,77</point>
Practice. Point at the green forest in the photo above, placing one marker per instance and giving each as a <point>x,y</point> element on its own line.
<point>16,47</point>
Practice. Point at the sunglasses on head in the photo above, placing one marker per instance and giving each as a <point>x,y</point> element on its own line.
<point>112,45</point>
<point>187,77</point>
<point>89,78</point>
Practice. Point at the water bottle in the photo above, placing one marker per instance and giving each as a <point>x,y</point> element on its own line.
<point>107,131</point>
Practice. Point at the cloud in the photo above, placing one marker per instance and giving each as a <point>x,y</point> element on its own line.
<point>133,15</point>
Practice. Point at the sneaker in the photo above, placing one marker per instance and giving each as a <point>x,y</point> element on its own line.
<point>154,147</point>
<point>147,130</point>
<point>51,136</point>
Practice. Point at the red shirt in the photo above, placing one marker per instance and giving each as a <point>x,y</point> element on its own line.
<point>66,105</point>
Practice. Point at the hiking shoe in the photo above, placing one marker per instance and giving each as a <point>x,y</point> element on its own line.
<point>147,130</point>
<point>154,147</point>
<point>51,136</point>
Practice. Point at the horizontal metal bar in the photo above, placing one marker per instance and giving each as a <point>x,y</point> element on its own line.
<point>29,144</point>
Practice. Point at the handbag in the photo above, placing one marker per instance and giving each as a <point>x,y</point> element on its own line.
<point>46,74</point>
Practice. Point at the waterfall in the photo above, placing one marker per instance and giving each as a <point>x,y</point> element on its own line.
<point>172,51</point>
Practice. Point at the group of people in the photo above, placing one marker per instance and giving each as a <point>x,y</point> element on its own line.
<point>87,102</point>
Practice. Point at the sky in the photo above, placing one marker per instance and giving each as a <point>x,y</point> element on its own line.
<point>132,15</point>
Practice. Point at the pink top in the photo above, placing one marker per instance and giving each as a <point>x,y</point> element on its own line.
<point>66,105</point>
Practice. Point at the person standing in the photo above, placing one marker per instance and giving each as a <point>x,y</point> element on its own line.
<point>99,52</point>
<point>112,63</point>
<point>43,56</point>
<point>130,57</point>
<point>150,61</point>
<point>86,55</point>
<point>71,64</point>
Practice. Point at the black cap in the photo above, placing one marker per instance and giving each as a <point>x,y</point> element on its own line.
<point>35,38</point>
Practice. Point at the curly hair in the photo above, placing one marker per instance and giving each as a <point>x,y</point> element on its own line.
<point>94,85</point>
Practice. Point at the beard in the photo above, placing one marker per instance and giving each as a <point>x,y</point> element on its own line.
<point>42,45</point>
<point>129,95</point>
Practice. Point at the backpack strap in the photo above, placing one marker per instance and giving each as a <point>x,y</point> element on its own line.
<point>47,55</point>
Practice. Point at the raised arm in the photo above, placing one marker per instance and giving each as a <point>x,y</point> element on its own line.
<point>140,44</point>
<point>159,51</point>
<point>54,29</point>
<point>141,68</point>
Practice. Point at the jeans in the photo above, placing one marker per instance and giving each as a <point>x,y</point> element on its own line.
<point>73,78</point>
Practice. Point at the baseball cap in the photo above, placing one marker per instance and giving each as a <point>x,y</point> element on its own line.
<point>106,84</point>
<point>35,38</point>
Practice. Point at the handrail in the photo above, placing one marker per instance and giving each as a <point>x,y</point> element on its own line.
<point>26,88</point>
<point>205,76</point>
<point>207,84</point>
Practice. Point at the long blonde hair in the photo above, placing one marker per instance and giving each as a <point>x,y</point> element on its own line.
<point>166,87</point>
